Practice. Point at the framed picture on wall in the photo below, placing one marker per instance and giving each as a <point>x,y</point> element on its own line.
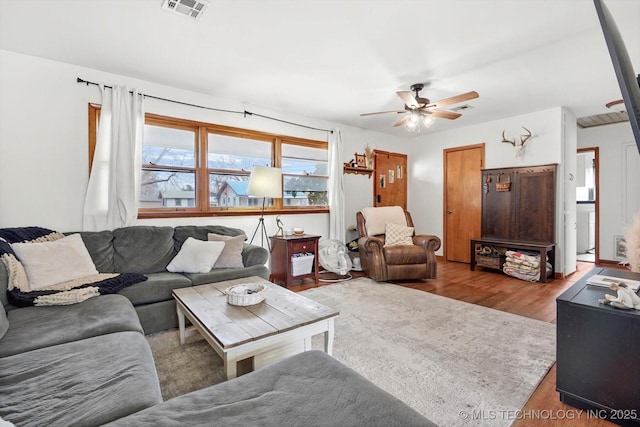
<point>361,161</point>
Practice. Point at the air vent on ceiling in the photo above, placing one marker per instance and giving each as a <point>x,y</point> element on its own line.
<point>462,108</point>
<point>191,8</point>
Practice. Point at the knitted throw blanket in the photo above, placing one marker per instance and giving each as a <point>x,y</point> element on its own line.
<point>71,292</point>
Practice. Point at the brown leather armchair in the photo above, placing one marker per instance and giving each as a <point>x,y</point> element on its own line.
<point>403,262</point>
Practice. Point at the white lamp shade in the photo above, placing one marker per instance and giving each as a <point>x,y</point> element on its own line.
<point>265,182</point>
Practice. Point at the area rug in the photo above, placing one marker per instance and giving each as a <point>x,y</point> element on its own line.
<point>454,362</point>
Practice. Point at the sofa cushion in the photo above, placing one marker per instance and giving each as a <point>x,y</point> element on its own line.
<point>310,388</point>
<point>100,247</point>
<point>31,328</point>
<point>221,274</point>
<point>231,256</point>
<point>50,263</point>
<point>142,249</point>
<point>156,288</point>
<point>4,322</point>
<point>196,256</point>
<point>4,282</point>
<point>200,232</point>
<point>87,382</point>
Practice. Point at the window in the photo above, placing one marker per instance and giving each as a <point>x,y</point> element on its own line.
<point>585,177</point>
<point>197,169</point>
<point>304,170</point>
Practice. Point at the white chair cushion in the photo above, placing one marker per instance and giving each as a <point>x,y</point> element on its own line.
<point>377,218</point>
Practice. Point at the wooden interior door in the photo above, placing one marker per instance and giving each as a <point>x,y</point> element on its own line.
<point>462,200</point>
<point>389,179</point>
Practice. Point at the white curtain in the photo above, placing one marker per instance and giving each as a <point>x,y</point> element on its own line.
<point>337,228</point>
<point>114,183</point>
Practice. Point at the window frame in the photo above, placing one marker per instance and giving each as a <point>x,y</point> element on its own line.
<point>202,171</point>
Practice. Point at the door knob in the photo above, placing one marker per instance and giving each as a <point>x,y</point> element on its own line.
<point>449,211</point>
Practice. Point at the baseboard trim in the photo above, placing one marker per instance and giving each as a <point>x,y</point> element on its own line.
<point>611,263</point>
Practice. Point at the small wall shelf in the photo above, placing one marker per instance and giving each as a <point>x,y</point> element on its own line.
<point>358,171</point>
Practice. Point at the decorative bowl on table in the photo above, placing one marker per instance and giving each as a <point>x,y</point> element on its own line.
<point>298,231</point>
<point>245,294</point>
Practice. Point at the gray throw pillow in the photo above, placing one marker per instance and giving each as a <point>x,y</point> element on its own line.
<point>231,256</point>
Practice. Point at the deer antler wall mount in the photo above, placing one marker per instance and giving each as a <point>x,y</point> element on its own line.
<point>523,139</point>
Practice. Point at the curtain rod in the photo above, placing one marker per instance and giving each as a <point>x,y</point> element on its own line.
<point>245,112</point>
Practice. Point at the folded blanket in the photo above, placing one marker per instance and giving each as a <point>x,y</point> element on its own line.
<point>528,276</point>
<point>524,257</point>
<point>528,273</point>
<point>521,266</point>
<point>519,262</point>
<point>71,292</point>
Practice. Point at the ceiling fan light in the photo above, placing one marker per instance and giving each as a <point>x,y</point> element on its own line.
<point>412,122</point>
<point>428,120</point>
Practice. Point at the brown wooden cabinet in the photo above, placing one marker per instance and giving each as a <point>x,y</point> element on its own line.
<point>524,213</point>
<point>285,251</point>
<point>518,213</point>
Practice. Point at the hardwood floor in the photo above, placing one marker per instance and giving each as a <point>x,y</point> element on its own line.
<point>534,300</point>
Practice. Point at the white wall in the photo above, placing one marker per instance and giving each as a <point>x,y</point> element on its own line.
<point>44,143</point>
<point>426,178</point>
<point>619,180</point>
<point>566,230</point>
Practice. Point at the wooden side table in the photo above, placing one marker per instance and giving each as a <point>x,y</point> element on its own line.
<point>283,249</point>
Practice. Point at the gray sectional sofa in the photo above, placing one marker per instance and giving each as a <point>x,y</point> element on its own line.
<point>89,364</point>
<point>82,364</point>
<point>148,250</point>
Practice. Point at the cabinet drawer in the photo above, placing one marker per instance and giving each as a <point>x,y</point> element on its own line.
<point>304,246</point>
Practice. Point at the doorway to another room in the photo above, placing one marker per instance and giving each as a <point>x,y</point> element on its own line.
<point>587,224</point>
<point>462,200</point>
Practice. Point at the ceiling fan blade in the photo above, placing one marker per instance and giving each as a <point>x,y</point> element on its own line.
<point>612,103</point>
<point>382,112</point>
<point>454,99</point>
<point>408,99</point>
<point>402,121</point>
<point>445,114</point>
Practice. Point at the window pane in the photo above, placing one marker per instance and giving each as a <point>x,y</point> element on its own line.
<point>168,146</point>
<point>231,191</point>
<point>299,160</point>
<point>239,154</point>
<point>305,191</point>
<point>166,189</point>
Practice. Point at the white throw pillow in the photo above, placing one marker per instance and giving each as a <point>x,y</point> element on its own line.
<point>231,256</point>
<point>49,263</point>
<point>396,235</point>
<point>196,256</point>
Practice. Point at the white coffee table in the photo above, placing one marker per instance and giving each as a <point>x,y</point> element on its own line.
<point>278,327</point>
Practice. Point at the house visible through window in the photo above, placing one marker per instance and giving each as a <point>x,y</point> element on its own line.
<point>194,168</point>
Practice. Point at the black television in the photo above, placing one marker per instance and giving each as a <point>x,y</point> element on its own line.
<point>627,79</point>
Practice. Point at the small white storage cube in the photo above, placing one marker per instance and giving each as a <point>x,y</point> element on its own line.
<point>301,264</point>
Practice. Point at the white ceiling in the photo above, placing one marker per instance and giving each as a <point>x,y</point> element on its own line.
<point>335,59</point>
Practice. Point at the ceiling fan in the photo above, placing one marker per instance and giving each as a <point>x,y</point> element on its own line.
<point>417,108</point>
